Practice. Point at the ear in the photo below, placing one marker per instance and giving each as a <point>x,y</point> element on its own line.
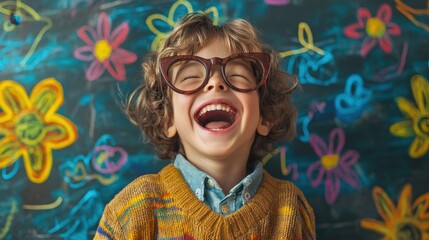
<point>171,131</point>
<point>264,127</point>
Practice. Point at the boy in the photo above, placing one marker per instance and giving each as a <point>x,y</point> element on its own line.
<point>214,99</point>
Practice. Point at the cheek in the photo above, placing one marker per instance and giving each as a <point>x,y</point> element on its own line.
<point>252,100</point>
<point>251,105</point>
<point>181,106</point>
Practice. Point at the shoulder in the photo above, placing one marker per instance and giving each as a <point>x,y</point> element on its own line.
<point>285,188</point>
<point>139,192</point>
<point>289,193</point>
<point>144,184</point>
<point>291,197</point>
<point>130,212</point>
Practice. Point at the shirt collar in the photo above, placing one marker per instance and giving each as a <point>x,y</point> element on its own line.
<point>192,175</point>
<point>196,179</point>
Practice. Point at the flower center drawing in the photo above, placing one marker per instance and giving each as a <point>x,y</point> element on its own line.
<point>408,231</point>
<point>29,128</point>
<point>421,125</point>
<point>330,161</point>
<point>102,50</point>
<point>375,27</point>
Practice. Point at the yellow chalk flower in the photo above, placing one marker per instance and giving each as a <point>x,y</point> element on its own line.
<point>31,128</point>
<point>417,122</point>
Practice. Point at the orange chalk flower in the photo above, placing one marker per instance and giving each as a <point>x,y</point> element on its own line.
<point>31,128</point>
<point>417,122</point>
<point>406,221</point>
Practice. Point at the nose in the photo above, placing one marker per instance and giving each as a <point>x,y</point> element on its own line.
<point>216,82</point>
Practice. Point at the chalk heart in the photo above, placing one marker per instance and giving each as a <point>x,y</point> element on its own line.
<point>80,170</point>
<point>349,104</point>
<point>316,68</point>
<point>76,172</point>
<point>107,159</point>
<point>321,66</point>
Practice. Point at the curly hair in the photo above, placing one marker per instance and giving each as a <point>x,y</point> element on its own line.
<point>150,106</point>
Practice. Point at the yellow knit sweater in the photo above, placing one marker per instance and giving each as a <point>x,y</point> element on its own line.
<point>161,206</point>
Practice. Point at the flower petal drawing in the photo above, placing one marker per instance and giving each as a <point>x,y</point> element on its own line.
<point>103,50</point>
<point>407,220</point>
<point>419,147</point>
<point>332,166</point>
<point>377,29</point>
<point>420,86</point>
<point>173,15</point>
<point>417,118</point>
<point>319,146</point>
<point>31,128</point>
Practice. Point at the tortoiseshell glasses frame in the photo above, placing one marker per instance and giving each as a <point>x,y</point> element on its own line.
<point>260,69</point>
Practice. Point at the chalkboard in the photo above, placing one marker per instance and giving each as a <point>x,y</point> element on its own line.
<point>360,154</point>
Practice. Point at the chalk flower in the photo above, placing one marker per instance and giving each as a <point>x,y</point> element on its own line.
<point>102,49</point>
<point>417,122</point>
<point>161,24</point>
<point>332,165</point>
<point>375,30</point>
<point>406,221</point>
<point>31,128</point>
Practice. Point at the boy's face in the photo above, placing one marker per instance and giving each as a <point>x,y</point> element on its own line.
<point>216,122</point>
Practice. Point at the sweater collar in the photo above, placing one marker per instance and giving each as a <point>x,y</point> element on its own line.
<point>200,182</point>
<point>255,211</point>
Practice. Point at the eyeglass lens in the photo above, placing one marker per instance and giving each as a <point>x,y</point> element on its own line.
<point>242,72</point>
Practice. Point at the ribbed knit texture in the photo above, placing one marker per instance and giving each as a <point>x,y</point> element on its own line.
<point>161,206</point>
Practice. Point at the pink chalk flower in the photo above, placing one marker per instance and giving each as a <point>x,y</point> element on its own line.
<point>374,29</point>
<point>332,166</point>
<point>102,49</point>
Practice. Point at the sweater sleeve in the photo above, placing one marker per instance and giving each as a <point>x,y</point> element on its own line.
<point>130,214</point>
<point>109,227</point>
<point>308,225</point>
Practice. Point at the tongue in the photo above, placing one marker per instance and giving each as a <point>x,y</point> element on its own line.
<point>217,125</point>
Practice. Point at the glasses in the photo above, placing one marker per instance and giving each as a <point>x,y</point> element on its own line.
<point>243,72</point>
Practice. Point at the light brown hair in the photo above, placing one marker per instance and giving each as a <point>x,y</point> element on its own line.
<point>150,106</point>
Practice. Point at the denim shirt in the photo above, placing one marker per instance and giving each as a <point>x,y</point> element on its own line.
<point>207,190</point>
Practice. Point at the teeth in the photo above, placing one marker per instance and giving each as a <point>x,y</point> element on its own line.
<point>213,107</point>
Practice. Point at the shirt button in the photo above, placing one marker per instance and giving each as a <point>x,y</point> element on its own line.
<point>225,209</point>
<point>198,192</point>
<point>211,182</point>
<point>246,196</point>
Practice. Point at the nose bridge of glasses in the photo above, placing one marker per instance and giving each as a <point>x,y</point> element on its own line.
<point>215,76</point>
<point>216,61</point>
<point>213,68</point>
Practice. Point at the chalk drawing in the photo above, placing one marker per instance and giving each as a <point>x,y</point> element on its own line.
<point>415,15</point>
<point>31,126</point>
<point>286,170</point>
<point>8,223</point>
<point>29,15</point>
<point>351,104</point>
<point>173,15</point>
<point>407,220</point>
<point>102,49</point>
<point>374,30</point>
<point>52,205</point>
<point>416,123</point>
<point>305,38</point>
<point>332,166</point>
<point>106,160</point>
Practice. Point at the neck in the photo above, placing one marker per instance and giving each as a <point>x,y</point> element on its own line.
<point>227,172</point>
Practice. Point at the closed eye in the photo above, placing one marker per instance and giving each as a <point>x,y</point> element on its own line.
<point>239,77</point>
<point>191,78</point>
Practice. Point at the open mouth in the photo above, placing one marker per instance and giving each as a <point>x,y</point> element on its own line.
<point>216,116</point>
